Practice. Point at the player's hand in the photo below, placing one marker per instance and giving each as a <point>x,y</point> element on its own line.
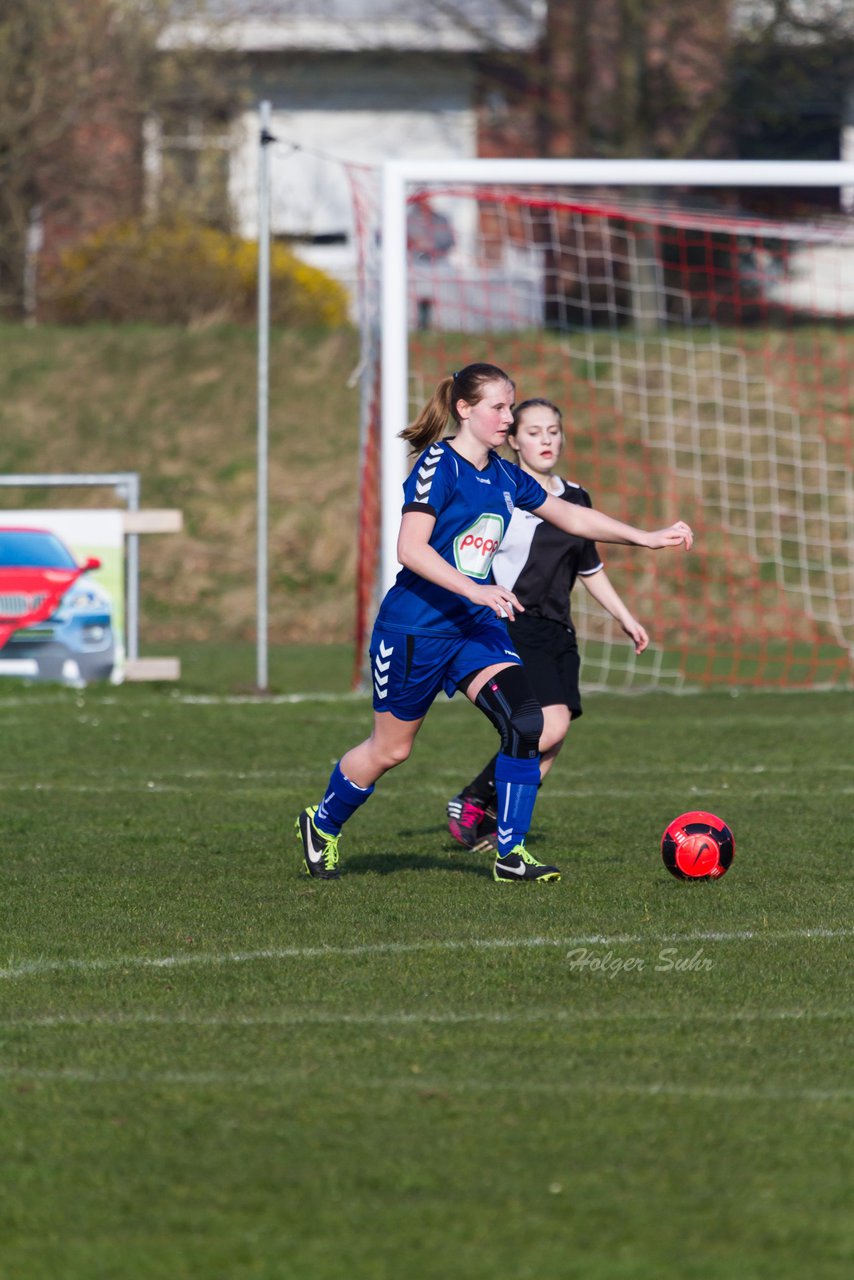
<point>502,602</point>
<point>636,634</point>
<point>674,536</point>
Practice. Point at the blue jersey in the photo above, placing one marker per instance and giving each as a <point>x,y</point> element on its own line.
<point>472,510</point>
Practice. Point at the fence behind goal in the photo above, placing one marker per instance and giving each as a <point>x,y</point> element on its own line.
<point>700,348</point>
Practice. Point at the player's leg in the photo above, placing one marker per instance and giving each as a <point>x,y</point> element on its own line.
<point>557,718</point>
<point>504,694</point>
<point>389,745</point>
<point>351,783</point>
<point>549,653</point>
<point>472,813</point>
<point>405,683</point>
<point>556,683</point>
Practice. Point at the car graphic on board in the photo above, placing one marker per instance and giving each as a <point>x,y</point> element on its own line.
<point>56,623</point>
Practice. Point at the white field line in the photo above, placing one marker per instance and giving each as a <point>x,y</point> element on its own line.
<point>450,1085</point>
<point>273,792</point>
<point>274,783</point>
<point>201,773</point>
<point>268,700</point>
<point>77,698</point>
<point>406,1018</point>
<point>364,695</point>
<point>783,770</point>
<point>31,968</point>
<point>64,697</point>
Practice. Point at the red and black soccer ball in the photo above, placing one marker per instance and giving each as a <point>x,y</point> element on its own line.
<point>698,846</point>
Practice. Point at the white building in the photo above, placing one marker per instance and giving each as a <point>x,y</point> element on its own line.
<point>350,82</point>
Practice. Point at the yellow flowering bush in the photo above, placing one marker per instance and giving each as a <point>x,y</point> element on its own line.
<point>184,273</point>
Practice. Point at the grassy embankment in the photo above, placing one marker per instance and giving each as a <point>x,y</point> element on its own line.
<point>179,407</point>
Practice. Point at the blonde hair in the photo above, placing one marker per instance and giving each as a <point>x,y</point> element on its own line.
<point>466,385</point>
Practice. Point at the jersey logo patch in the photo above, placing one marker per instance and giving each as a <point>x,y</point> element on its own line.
<point>475,548</point>
<point>509,501</point>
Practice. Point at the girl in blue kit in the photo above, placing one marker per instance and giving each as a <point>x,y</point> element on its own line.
<point>439,626</point>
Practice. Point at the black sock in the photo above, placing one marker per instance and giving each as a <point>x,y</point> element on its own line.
<point>482,788</point>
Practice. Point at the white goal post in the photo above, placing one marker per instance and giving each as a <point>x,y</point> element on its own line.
<point>398,175</point>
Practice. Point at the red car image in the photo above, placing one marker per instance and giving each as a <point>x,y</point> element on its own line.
<point>55,622</point>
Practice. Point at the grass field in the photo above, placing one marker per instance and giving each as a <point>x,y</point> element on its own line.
<point>214,1068</point>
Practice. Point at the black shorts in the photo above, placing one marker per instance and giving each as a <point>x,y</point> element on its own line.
<point>549,652</point>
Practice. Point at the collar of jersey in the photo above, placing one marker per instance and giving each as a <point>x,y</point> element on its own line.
<point>448,440</point>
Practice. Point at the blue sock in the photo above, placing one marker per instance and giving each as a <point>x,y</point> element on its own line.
<point>516,782</point>
<point>341,801</point>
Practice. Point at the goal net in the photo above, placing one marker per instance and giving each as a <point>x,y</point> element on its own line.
<point>698,340</point>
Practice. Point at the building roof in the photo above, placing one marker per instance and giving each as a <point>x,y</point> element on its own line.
<point>266,26</point>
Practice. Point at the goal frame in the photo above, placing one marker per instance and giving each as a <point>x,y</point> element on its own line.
<point>396,176</point>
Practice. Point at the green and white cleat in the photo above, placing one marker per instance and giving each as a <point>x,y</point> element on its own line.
<point>319,851</point>
<point>518,864</point>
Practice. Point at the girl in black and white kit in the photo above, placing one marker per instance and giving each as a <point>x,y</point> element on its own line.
<point>540,563</point>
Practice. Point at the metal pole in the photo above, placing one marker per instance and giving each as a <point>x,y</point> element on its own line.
<point>266,138</point>
<point>131,492</point>
<point>394,369</point>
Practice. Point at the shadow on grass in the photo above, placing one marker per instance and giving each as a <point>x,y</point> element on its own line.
<point>450,858</point>
<point>394,862</point>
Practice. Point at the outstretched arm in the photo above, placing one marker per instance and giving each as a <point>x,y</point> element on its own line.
<point>587,522</point>
<point>604,592</point>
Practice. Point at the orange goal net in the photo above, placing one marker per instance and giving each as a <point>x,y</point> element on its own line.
<point>700,344</point>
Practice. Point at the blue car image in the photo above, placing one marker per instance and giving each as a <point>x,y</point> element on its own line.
<point>56,623</point>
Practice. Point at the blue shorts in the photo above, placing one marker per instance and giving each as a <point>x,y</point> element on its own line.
<point>408,671</point>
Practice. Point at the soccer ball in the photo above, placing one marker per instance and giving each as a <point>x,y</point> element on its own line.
<point>697,846</point>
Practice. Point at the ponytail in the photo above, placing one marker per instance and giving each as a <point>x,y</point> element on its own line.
<point>430,424</point>
<point>466,385</point>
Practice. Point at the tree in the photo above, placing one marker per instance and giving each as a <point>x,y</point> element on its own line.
<point>791,79</point>
<point>78,80</point>
<point>655,78</point>
<point>605,78</point>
